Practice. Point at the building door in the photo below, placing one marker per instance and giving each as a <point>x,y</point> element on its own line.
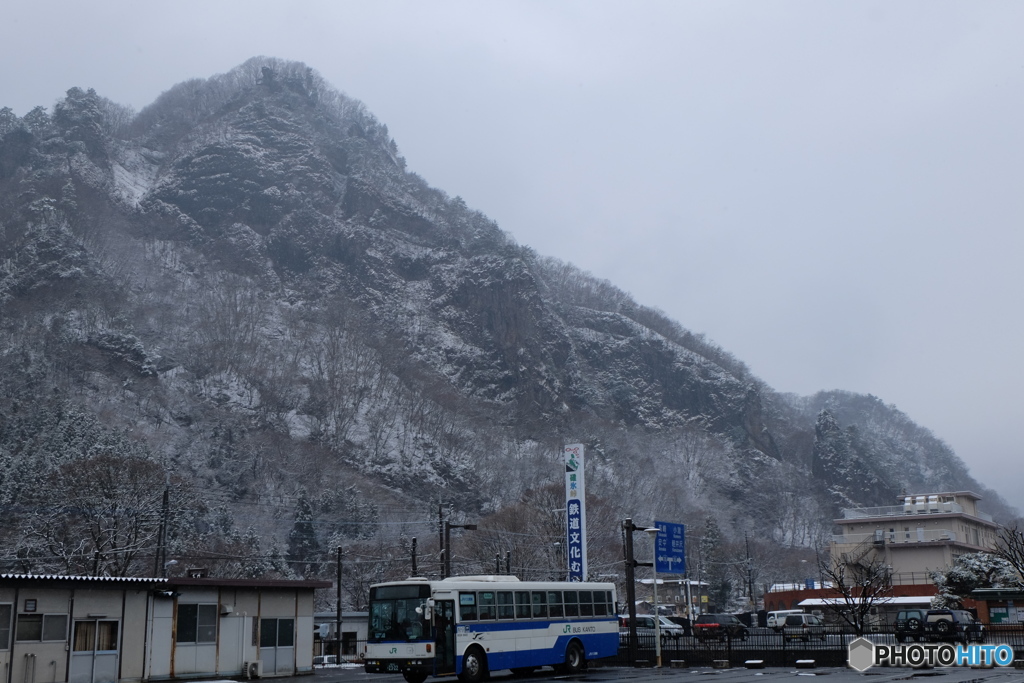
<point>277,646</point>
<point>94,653</point>
<point>444,637</point>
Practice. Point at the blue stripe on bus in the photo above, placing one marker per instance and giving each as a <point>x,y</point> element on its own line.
<point>595,645</point>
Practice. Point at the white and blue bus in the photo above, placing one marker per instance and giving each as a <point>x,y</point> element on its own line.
<point>472,625</point>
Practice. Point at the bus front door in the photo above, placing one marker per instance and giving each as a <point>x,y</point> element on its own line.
<point>444,637</point>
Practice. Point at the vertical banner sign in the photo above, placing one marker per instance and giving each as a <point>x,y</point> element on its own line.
<point>670,548</point>
<point>575,513</point>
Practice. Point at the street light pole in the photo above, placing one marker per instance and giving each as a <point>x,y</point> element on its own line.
<point>448,526</point>
<point>652,532</point>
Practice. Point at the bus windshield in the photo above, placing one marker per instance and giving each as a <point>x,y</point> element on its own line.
<point>393,613</point>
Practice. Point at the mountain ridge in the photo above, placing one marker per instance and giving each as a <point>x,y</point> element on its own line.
<point>244,279</point>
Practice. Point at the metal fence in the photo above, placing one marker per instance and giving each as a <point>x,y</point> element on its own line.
<point>829,648</point>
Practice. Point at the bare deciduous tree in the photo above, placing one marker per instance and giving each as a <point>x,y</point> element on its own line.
<point>100,516</point>
<point>1010,547</point>
<point>858,589</point>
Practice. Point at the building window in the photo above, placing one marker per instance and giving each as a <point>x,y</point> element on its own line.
<point>42,627</point>
<point>277,632</point>
<point>95,636</point>
<point>5,626</point>
<point>197,623</point>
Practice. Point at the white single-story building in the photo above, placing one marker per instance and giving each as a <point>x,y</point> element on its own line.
<point>87,629</point>
<point>354,628</point>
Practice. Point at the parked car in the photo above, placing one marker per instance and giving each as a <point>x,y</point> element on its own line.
<point>910,624</point>
<point>777,618</point>
<point>645,628</point>
<point>803,627</point>
<point>683,622</point>
<point>718,627</point>
<point>671,629</point>
<point>954,625</point>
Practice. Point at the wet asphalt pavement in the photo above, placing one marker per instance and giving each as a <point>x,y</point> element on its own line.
<point>598,674</point>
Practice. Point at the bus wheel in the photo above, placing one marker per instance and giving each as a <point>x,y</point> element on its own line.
<point>414,676</point>
<point>474,666</point>
<point>574,659</point>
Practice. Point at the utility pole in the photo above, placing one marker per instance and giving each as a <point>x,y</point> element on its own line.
<point>440,532</point>
<point>631,564</point>
<point>160,568</point>
<point>627,549</point>
<point>750,580</point>
<point>338,615</point>
<point>414,556</point>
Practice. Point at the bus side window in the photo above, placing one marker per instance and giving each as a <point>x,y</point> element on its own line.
<point>540,606</point>
<point>486,605</point>
<point>467,606</point>
<point>586,604</point>
<point>506,608</point>
<point>522,604</point>
<point>572,608</point>
<point>555,603</point>
<point>601,603</point>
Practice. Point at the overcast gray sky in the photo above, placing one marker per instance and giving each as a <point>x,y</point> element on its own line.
<point>831,191</point>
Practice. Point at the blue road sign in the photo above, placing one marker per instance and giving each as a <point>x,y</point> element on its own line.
<point>670,548</point>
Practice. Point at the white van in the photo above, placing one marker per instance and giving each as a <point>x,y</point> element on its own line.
<point>776,620</point>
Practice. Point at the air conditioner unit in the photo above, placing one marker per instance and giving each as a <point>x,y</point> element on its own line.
<point>253,669</point>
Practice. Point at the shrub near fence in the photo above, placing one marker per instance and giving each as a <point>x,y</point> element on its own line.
<point>775,650</point>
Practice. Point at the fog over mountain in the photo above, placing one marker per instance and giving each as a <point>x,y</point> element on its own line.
<point>240,295</point>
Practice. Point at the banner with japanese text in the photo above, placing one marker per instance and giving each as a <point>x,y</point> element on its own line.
<point>575,513</point>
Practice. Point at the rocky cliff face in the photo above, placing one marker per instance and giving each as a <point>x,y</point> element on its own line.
<point>244,279</point>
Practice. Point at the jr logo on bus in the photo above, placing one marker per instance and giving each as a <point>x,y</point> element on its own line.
<point>569,628</point>
<point>393,651</point>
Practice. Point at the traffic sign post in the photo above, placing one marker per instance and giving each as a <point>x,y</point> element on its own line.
<point>670,548</point>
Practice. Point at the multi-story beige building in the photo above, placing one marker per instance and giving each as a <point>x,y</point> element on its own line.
<point>924,533</point>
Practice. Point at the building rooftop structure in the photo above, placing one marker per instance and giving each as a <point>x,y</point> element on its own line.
<point>922,534</point>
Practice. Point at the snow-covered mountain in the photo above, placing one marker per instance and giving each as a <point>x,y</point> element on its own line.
<point>243,284</point>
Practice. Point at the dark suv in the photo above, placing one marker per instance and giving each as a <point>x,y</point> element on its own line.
<point>909,624</point>
<point>955,625</point>
<point>718,627</point>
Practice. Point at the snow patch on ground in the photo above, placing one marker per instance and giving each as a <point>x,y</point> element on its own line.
<point>134,174</point>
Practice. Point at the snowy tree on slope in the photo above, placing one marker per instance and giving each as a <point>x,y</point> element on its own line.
<point>841,460</point>
<point>303,546</point>
<point>969,572</point>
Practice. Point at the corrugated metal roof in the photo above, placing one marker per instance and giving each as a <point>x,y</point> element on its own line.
<point>290,584</point>
<point>66,577</point>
